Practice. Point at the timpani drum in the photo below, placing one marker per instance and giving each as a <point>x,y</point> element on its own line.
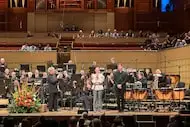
<point>178,93</point>
<point>128,94</point>
<point>163,93</point>
<point>140,94</point>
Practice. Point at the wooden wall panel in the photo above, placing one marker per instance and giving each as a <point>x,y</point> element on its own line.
<point>143,7</point>
<point>31,5</point>
<point>3,5</point>
<point>17,22</point>
<point>176,61</point>
<point>124,18</point>
<point>15,58</point>
<point>44,22</point>
<point>134,59</point>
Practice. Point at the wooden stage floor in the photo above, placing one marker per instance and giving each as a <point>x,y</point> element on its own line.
<point>68,113</point>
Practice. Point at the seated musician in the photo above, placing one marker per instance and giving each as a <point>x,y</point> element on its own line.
<point>7,73</point>
<point>75,93</point>
<point>71,68</point>
<point>30,78</point>
<point>36,74</point>
<point>149,76</point>
<point>23,77</point>
<point>14,80</point>
<point>142,79</point>
<point>64,82</point>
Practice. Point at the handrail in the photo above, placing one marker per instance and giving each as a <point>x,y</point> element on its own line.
<point>26,51</point>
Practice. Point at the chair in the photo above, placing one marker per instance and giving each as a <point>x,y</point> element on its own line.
<point>180,85</point>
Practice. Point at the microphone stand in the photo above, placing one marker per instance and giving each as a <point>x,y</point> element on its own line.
<point>179,70</point>
<point>136,63</point>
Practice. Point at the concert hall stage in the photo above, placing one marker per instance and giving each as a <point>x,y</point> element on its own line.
<point>161,118</point>
<point>74,112</point>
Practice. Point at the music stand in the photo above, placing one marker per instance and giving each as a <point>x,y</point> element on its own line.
<point>41,68</point>
<point>25,67</point>
<point>2,69</point>
<point>71,68</point>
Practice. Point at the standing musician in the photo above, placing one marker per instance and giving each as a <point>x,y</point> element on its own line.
<point>53,91</point>
<point>159,79</point>
<point>8,85</point>
<point>85,85</point>
<point>3,66</point>
<point>120,78</point>
<point>97,87</point>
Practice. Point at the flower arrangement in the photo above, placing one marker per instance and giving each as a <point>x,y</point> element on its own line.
<point>25,100</point>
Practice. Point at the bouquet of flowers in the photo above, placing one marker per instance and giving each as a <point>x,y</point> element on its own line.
<point>25,100</point>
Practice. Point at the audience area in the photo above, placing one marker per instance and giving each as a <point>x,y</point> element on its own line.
<point>87,121</point>
<point>95,40</point>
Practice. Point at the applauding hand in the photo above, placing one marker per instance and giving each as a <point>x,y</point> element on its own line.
<point>119,86</point>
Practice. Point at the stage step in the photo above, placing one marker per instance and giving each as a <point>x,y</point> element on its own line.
<point>145,121</point>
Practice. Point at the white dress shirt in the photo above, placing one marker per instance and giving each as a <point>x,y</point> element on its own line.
<point>97,81</point>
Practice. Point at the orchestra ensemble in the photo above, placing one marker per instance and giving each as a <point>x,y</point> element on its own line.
<point>86,87</point>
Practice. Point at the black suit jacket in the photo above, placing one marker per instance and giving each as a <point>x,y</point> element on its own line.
<point>120,78</point>
<point>52,83</point>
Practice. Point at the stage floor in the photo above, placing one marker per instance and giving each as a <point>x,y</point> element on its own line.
<point>68,113</point>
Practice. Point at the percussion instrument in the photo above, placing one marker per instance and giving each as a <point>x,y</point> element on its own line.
<point>128,94</point>
<point>140,94</point>
<point>163,93</point>
<point>136,85</point>
<point>178,93</point>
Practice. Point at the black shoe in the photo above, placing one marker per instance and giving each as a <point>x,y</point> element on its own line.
<point>50,110</point>
<point>55,110</point>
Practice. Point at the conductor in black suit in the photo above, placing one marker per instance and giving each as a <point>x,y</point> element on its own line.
<point>53,91</point>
